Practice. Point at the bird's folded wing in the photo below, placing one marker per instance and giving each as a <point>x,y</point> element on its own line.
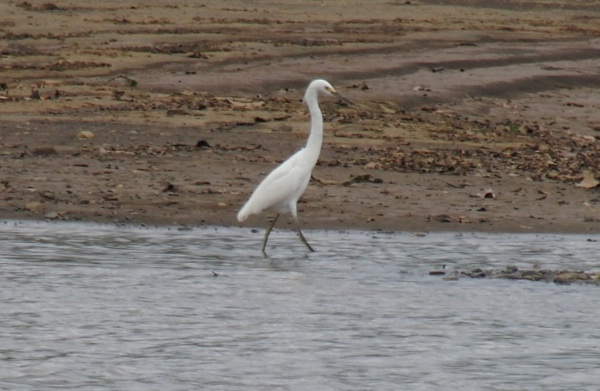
<point>282,186</point>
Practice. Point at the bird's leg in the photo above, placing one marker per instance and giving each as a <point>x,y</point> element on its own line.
<point>268,233</point>
<point>302,238</point>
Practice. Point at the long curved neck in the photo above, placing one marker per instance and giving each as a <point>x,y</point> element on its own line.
<point>315,139</point>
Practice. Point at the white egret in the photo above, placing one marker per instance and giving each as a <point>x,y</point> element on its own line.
<point>280,190</point>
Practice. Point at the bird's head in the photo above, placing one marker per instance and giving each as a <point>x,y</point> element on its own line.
<point>316,87</point>
<point>322,86</point>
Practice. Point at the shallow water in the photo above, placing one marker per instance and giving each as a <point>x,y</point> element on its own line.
<point>102,307</point>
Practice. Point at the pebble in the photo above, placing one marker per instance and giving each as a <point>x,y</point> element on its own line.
<point>34,207</point>
<point>51,215</point>
<point>85,134</point>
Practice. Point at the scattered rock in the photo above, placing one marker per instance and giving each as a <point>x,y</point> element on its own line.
<point>514,273</point>
<point>568,277</point>
<point>44,151</point>
<point>442,218</point>
<point>437,273</point>
<point>575,104</point>
<point>169,187</point>
<point>49,7</point>
<point>371,166</point>
<point>361,178</point>
<point>85,135</point>
<point>589,180</point>
<point>51,215</point>
<point>34,207</point>
<point>202,144</point>
<point>489,193</point>
<point>198,55</point>
<point>362,86</point>
<point>118,94</point>
<point>173,112</point>
<point>446,218</point>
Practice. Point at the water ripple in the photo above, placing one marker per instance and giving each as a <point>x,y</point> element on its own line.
<point>95,307</point>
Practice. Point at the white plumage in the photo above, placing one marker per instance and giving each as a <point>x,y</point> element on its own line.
<point>280,191</point>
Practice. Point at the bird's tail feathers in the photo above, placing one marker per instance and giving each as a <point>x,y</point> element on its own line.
<point>243,214</point>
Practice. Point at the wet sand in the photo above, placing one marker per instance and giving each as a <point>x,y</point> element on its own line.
<point>470,116</point>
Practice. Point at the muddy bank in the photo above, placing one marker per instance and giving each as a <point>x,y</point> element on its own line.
<point>474,116</point>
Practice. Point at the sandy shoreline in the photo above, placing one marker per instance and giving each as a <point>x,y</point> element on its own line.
<point>469,117</point>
